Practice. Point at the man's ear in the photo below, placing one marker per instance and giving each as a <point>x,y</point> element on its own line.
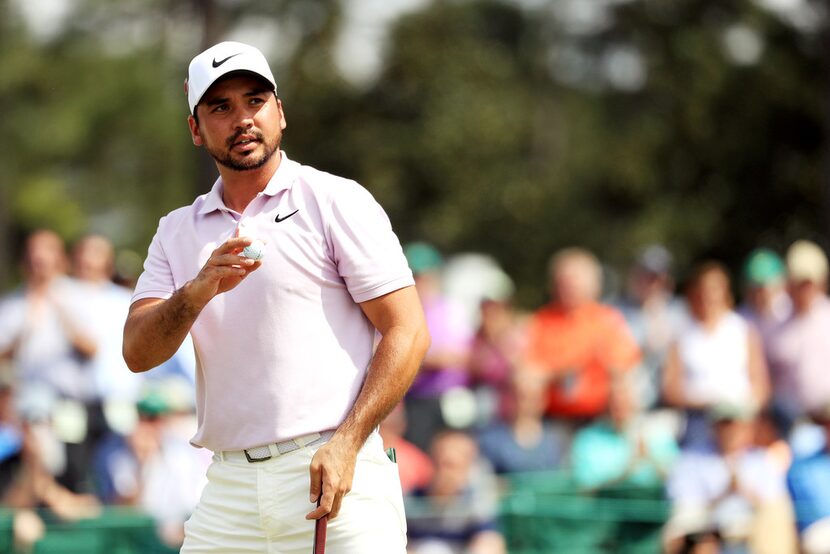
<point>195,134</point>
<point>283,123</point>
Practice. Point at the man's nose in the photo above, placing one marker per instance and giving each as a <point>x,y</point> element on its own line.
<point>245,121</point>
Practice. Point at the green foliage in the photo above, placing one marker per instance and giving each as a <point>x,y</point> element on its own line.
<point>473,140</point>
<point>491,127</point>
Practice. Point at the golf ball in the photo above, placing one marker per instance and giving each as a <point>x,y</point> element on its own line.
<point>255,250</point>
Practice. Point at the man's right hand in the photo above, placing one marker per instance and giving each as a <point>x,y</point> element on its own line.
<point>155,328</point>
<point>223,271</point>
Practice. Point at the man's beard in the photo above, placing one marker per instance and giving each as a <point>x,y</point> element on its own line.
<point>247,163</point>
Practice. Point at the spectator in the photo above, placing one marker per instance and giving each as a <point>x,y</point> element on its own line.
<point>445,365</point>
<point>414,466</point>
<point>766,303</point>
<point>809,483</point>
<point>153,468</point>
<point>456,513</point>
<point>579,344</point>
<point>40,325</point>
<point>525,441</point>
<point>106,305</point>
<point>768,438</point>
<point>733,490</point>
<point>716,358</point>
<point>33,486</point>
<point>495,353</point>
<point>11,436</point>
<point>626,447</point>
<point>43,329</point>
<point>11,430</point>
<point>654,315</point>
<point>115,389</point>
<point>28,480</point>
<point>799,349</point>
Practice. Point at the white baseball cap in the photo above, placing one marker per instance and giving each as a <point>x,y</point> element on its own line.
<point>806,261</point>
<point>219,60</point>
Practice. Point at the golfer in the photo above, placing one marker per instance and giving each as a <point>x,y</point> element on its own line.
<point>289,389</point>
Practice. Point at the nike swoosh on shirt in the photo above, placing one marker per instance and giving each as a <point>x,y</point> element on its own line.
<point>278,218</point>
<point>217,64</point>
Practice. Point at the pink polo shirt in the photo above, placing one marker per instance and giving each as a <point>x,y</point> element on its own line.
<point>799,357</point>
<point>283,354</point>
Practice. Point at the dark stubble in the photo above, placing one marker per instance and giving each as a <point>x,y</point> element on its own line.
<point>249,162</point>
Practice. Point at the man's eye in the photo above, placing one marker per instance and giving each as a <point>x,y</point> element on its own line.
<point>256,101</point>
<point>220,108</point>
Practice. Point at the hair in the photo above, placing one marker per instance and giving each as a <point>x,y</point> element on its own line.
<point>585,258</point>
<point>44,234</point>
<point>704,269</point>
<point>108,248</point>
<point>446,433</point>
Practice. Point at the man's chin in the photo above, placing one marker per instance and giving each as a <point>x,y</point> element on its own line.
<point>246,163</point>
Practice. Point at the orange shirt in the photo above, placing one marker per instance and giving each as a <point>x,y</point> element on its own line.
<point>581,348</point>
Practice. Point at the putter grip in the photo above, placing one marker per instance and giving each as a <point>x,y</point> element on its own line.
<point>320,534</point>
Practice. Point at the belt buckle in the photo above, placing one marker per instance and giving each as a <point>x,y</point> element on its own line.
<point>255,460</point>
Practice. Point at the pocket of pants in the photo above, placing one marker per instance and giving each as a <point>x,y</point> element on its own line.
<point>384,476</point>
<point>373,451</point>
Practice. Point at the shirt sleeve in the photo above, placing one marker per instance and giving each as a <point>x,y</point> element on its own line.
<point>762,477</point>
<point>367,252</point>
<point>683,485</point>
<point>75,302</point>
<point>12,317</point>
<point>534,347</point>
<point>620,350</point>
<point>157,279</point>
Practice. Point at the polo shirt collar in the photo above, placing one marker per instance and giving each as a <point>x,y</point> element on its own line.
<point>284,176</point>
<point>282,179</point>
<point>213,199</point>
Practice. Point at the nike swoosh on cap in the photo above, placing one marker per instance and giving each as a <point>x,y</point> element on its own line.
<point>217,64</point>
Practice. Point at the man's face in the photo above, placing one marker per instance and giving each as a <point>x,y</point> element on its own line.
<point>710,295</point>
<point>574,283</point>
<point>761,297</point>
<point>44,258</point>
<point>92,259</point>
<point>240,122</point>
<point>803,293</point>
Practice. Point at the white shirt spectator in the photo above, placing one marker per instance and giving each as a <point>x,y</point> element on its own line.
<point>716,361</point>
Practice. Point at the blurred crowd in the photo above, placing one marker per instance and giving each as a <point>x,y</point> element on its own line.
<point>723,407</point>
<point>78,430</point>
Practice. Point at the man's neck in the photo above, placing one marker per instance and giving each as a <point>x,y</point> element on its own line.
<point>95,281</point>
<point>240,187</point>
<point>803,308</point>
<point>39,286</point>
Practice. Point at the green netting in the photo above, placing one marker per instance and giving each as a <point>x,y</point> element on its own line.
<point>6,531</point>
<point>115,531</point>
<point>546,513</point>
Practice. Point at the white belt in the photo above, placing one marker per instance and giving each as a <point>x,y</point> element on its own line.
<point>268,451</point>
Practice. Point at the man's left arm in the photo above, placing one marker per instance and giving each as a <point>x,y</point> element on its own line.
<point>399,318</point>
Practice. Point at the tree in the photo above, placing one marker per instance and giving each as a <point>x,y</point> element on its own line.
<point>494,126</point>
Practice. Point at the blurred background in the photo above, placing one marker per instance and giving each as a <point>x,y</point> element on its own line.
<point>653,135</point>
<point>609,123</point>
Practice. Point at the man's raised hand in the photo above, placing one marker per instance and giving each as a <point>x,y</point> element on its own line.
<point>224,270</point>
